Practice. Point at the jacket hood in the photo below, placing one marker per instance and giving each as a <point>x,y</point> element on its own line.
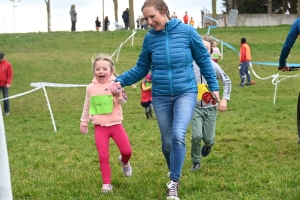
<point>170,25</point>
<point>110,79</point>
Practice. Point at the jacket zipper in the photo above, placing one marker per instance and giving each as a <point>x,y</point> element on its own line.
<point>169,62</point>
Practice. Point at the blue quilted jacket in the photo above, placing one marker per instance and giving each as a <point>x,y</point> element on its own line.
<point>169,54</point>
<point>289,42</point>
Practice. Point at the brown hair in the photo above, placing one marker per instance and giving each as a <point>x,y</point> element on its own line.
<point>159,5</point>
<point>107,58</point>
<point>209,39</point>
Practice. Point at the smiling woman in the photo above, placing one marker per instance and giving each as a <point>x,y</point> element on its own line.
<point>174,88</point>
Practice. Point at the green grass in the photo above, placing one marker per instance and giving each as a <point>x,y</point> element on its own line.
<point>256,152</point>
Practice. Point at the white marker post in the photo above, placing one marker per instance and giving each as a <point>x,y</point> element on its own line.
<point>5,183</point>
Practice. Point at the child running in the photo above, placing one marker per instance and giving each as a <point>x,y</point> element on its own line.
<point>146,96</point>
<point>105,112</point>
<point>205,114</point>
<point>215,52</point>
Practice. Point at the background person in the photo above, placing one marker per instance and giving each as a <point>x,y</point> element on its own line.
<point>98,24</point>
<point>186,18</point>
<point>245,58</point>
<point>106,23</point>
<point>292,35</point>
<point>174,15</point>
<point>6,76</point>
<point>215,52</point>
<point>174,87</point>
<point>73,14</point>
<point>192,22</point>
<point>125,17</point>
<point>146,96</point>
<point>106,119</point>
<point>205,114</point>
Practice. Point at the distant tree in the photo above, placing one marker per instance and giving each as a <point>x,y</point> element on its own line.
<point>48,15</point>
<point>116,9</point>
<point>131,15</point>
<point>229,4</point>
<point>262,6</point>
<point>269,6</point>
<point>214,8</point>
<point>292,8</point>
<point>298,11</point>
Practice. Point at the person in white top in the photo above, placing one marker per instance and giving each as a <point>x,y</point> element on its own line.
<point>215,52</point>
<point>174,15</point>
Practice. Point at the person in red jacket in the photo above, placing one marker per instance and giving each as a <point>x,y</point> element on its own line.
<point>186,18</point>
<point>245,58</point>
<point>6,76</point>
<point>146,96</point>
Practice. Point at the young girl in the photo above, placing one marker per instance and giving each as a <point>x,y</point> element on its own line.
<point>146,96</point>
<point>215,52</point>
<point>105,112</point>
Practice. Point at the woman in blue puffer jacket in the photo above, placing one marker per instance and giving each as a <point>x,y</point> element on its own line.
<point>169,49</point>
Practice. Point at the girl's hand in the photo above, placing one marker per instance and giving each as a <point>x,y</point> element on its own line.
<point>84,129</point>
<point>115,88</point>
<point>223,105</point>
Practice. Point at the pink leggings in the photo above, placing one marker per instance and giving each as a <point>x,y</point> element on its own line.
<point>102,136</point>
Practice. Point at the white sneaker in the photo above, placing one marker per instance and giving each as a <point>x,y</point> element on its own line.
<point>172,193</point>
<point>107,189</point>
<point>126,169</point>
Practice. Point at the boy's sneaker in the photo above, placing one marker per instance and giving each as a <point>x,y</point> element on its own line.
<point>242,85</point>
<point>195,167</point>
<point>150,113</point>
<point>205,151</point>
<point>126,168</point>
<point>172,192</point>
<point>248,84</point>
<point>107,188</point>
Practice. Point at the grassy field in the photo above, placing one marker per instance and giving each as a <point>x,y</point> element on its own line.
<point>256,155</point>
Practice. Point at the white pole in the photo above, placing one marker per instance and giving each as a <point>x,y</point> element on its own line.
<point>274,99</point>
<point>119,51</point>
<point>221,49</point>
<point>49,107</point>
<point>133,32</point>
<point>5,183</point>
<point>14,15</point>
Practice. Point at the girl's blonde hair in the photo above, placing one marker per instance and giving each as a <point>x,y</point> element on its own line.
<point>209,39</point>
<point>107,58</point>
<point>159,5</point>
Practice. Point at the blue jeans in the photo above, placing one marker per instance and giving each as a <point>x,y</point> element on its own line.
<point>244,71</point>
<point>173,114</point>
<point>5,95</point>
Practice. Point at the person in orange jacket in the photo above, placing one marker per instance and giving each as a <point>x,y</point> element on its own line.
<point>6,76</point>
<point>245,58</point>
<point>192,22</point>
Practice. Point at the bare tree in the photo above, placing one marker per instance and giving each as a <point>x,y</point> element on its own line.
<point>214,8</point>
<point>298,10</point>
<point>269,6</point>
<point>116,9</point>
<point>131,15</point>
<point>48,14</point>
